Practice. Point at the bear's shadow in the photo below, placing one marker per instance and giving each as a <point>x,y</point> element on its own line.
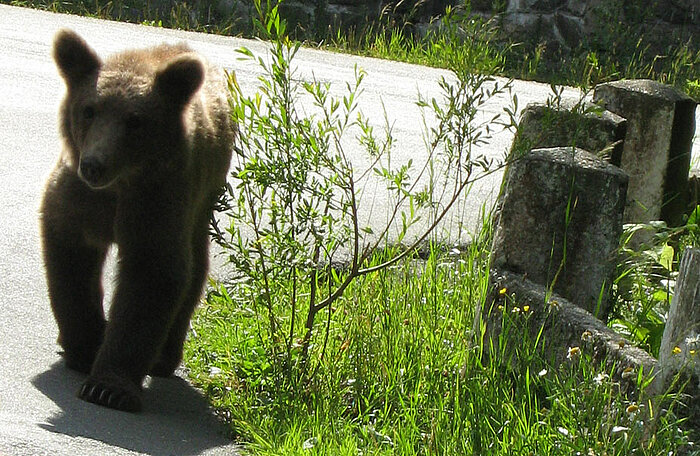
<point>176,418</point>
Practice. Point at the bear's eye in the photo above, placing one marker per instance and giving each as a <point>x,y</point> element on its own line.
<point>134,122</point>
<point>88,113</point>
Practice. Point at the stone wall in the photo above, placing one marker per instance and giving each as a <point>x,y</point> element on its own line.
<point>555,23</point>
<point>597,23</point>
<point>314,18</point>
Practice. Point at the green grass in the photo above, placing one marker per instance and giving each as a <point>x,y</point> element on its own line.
<point>401,375</point>
<point>646,278</point>
<point>624,52</point>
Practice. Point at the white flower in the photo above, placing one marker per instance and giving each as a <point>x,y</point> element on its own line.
<point>600,378</point>
<point>309,443</point>
<point>693,341</point>
<point>619,429</point>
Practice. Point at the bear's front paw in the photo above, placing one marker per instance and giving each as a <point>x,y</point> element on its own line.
<point>112,394</point>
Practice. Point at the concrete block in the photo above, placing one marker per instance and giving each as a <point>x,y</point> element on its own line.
<point>559,221</point>
<point>657,147</point>
<point>680,345</point>
<point>572,123</point>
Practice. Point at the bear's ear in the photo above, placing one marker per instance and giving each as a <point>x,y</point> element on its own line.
<point>75,59</point>
<point>180,78</point>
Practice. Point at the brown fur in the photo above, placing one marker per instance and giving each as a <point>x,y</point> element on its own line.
<point>147,144</point>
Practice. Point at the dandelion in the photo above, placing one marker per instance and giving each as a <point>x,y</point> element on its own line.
<point>573,352</point>
<point>627,373</point>
<point>586,336</point>
<point>676,350</point>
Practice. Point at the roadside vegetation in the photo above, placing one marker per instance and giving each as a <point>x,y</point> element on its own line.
<point>335,338</point>
<point>340,339</point>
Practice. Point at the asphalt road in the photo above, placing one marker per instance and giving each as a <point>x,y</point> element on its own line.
<point>39,413</point>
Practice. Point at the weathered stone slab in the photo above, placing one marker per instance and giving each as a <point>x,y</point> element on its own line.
<point>572,123</point>
<point>656,152</point>
<point>564,325</point>
<point>680,345</point>
<point>559,220</point>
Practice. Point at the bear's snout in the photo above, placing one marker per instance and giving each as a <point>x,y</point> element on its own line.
<point>92,171</point>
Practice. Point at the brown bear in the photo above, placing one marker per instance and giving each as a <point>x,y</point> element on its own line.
<point>147,141</point>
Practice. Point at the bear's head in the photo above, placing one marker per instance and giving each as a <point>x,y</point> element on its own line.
<point>124,116</point>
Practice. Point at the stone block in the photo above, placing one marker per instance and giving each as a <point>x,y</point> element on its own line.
<point>559,221</point>
<point>680,346</point>
<point>574,124</point>
<point>570,28</point>
<point>657,147</point>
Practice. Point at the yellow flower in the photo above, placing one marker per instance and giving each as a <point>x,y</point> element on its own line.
<point>692,352</point>
<point>632,408</point>
<point>676,350</point>
<point>628,372</point>
<point>573,352</point>
<point>526,308</point>
<point>503,291</point>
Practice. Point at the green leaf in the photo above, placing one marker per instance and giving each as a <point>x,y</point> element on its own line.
<point>666,257</point>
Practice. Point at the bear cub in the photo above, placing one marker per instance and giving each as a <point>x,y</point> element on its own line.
<point>147,139</point>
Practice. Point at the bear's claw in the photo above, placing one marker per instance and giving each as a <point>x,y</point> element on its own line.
<point>110,396</point>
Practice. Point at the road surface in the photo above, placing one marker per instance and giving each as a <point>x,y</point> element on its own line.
<point>39,413</point>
